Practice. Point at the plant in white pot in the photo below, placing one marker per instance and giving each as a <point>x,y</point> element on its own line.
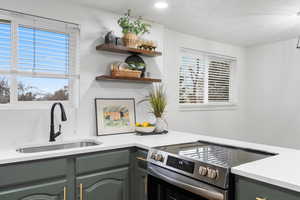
<point>157,99</point>
<point>132,28</point>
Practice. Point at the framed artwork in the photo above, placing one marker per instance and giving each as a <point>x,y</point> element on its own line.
<point>115,116</point>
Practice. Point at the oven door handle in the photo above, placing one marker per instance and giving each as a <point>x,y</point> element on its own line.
<point>208,193</point>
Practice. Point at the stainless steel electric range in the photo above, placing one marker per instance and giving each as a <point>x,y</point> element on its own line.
<point>195,171</point>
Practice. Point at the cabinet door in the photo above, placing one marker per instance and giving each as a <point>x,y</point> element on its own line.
<point>45,191</point>
<point>108,185</point>
<point>139,190</point>
<point>247,189</point>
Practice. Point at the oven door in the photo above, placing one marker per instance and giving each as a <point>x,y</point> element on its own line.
<point>164,184</point>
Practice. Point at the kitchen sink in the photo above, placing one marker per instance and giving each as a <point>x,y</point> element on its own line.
<point>61,146</point>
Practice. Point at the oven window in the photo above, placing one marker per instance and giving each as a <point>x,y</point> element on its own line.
<point>161,190</point>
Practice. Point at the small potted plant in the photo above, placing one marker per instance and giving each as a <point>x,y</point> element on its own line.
<point>132,28</point>
<point>157,99</point>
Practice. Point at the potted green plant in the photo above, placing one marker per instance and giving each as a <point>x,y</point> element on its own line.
<point>157,99</point>
<point>132,28</point>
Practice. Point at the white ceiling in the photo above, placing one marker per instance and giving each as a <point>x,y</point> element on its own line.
<point>239,22</point>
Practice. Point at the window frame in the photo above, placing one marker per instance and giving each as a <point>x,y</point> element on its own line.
<point>19,19</point>
<point>207,106</point>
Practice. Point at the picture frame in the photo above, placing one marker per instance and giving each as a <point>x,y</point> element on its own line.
<point>115,116</point>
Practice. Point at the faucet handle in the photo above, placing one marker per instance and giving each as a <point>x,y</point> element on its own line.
<point>59,128</point>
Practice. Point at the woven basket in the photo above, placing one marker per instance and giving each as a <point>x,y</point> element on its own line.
<point>126,73</point>
<point>130,40</point>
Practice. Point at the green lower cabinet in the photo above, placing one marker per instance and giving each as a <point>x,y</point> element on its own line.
<point>139,175</point>
<point>139,190</point>
<point>110,175</point>
<point>247,189</point>
<point>46,191</point>
<point>107,185</point>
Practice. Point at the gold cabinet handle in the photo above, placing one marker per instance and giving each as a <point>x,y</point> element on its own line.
<point>65,193</point>
<point>81,191</point>
<point>258,198</point>
<point>140,158</point>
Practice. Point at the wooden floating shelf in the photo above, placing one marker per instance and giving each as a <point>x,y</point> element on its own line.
<point>126,50</point>
<point>127,79</point>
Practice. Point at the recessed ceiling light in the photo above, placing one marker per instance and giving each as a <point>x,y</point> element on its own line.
<point>161,4</point>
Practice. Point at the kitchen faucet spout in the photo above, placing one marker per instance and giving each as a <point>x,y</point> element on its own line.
<point>54,135</point>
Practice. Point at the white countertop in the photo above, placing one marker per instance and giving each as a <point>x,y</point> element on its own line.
<point>280,170</point>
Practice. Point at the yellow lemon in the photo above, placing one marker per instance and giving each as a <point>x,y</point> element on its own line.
<point>146,124</point>
<point>138,124</point>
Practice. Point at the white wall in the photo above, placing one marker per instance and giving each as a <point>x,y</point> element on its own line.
<point>221,123</point>
<point>29,126</point>
<point>267,84</point>
<point>273,95</point>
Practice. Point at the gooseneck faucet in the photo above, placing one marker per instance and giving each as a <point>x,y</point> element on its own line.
<point>54,135</point>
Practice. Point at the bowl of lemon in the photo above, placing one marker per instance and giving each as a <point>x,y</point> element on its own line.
<point>144,127</point>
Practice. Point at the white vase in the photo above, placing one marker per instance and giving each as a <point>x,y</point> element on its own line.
<point>160,125</point>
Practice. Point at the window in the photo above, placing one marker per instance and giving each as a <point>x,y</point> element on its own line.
<point>5,58</point>
<point>37,60</point>
<point>205,79</point>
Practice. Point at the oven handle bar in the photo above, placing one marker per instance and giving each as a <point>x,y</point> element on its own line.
<point>203,192</point>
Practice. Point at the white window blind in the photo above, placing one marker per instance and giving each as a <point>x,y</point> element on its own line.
<point>38,59</point>
<point>191,79</point>
<point>43,51</point>
<point>5,44</point>
<point>205,78</point>
<point>5,60</point>
<point>219,75</point>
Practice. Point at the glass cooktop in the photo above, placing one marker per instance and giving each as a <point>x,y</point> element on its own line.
<point>223,156</point>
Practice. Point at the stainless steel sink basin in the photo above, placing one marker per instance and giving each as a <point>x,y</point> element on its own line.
<point>61,146</point>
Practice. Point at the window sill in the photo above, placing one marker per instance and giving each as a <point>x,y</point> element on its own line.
<point>33,105</point>
<point>208,107</point>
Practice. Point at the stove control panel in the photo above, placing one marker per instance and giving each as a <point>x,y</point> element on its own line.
<point>181,164</point>
<point>208,172</point>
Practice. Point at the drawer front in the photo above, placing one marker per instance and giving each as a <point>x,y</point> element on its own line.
<point>32,171</point>
<point>102,161</point>
<point>139,156</point>
<point>247,189</point>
